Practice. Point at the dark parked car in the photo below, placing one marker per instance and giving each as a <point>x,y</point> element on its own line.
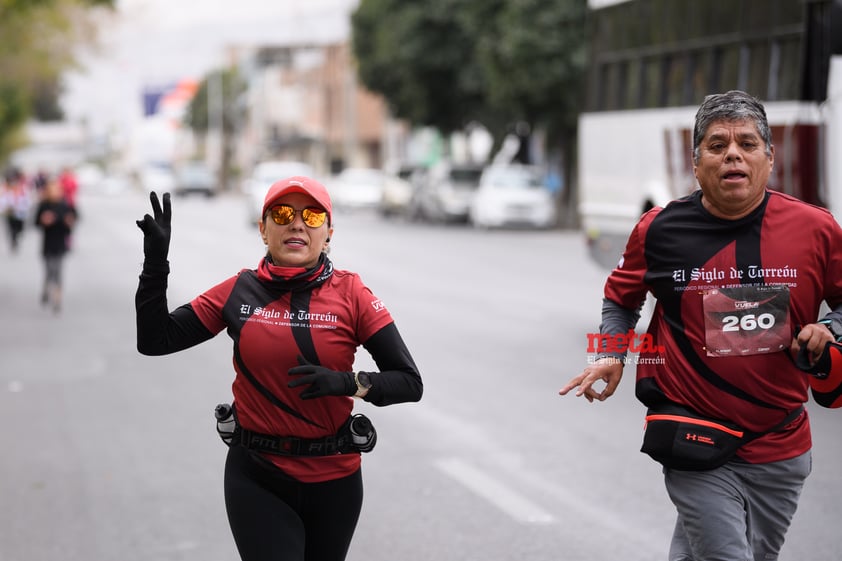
<point>446,194</point>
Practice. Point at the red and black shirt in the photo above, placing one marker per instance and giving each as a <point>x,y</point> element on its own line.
<point>264,320</point>
<point>730,296</point>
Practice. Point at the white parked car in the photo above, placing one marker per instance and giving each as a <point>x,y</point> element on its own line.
<point>158,177</point>
<point>357,188</point>
<point>513,195</point>
<point>263,176</point>
<point>89,177</point>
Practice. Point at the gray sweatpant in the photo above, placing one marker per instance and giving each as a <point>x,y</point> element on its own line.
<point>738,512</point>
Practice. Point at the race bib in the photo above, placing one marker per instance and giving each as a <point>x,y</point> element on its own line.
<point>747,320</point>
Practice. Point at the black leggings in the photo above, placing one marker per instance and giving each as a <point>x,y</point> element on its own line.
<point>277,518</point>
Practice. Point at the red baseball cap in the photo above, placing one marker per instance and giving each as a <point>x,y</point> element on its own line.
<point>298,184</point>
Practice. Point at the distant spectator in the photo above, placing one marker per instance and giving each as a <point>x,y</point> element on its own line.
<point>39,181</point>
<point>15,203</point>
<point>56,219</point>
<point>69,186</point>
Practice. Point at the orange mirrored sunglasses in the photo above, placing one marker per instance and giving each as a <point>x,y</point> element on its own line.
<point>285,214</point>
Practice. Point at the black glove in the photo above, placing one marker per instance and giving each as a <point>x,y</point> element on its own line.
<point>323,381</point>
<point>156,231</point>
<point>824,365</point>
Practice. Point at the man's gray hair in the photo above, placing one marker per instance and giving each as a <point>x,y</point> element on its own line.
<point>734,105</point>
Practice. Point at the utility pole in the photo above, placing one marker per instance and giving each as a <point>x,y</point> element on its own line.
<point>216,132</point>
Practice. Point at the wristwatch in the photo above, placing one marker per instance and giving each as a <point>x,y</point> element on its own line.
<point>363,380</point>
<point>835,327</point>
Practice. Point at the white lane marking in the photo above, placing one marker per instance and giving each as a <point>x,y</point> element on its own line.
<point>501,495</point>
<point>571,499</point>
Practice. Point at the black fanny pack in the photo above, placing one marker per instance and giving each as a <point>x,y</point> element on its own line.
<point>357,434</point>
<point>679,438</point>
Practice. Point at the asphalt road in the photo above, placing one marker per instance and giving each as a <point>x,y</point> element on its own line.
<point>111,455</point>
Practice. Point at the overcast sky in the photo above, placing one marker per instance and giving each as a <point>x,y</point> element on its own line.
<point>154,42</point>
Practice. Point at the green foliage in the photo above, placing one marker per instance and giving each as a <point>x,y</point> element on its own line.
<point>197,116</point>
<point>12,7</point>
<point>36,37</point>
<point>418,57</point>
<point>219,96</point>
<point>13,111</point>
<point>446,63</point>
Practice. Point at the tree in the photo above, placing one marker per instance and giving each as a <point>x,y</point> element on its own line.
<point>446,63</point>
<point>217,104</point>
<point>511,65</point>
<point>533,57</point>
<point>420,58</point>
<point>35,36</point>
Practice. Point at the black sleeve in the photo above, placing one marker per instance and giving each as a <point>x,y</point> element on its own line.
<point>37,216</point>
<point>160,332</point>
<point>835,316</point>
<point>398,380</point>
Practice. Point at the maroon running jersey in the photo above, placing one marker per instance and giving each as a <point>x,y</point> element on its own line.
<point>730,296</point>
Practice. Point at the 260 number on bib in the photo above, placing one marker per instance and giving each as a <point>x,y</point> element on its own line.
<point>748,322</point>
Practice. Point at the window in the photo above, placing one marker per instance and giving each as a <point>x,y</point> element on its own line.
<point>664,53</point>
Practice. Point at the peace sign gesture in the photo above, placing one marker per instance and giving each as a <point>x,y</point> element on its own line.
<point>156,231</point>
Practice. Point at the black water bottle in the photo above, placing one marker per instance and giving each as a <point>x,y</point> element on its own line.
<point>226,423</point>
<point>363,434</point>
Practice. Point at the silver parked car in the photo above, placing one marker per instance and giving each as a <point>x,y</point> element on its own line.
<point>195,177</point>
<point>398,188</point>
